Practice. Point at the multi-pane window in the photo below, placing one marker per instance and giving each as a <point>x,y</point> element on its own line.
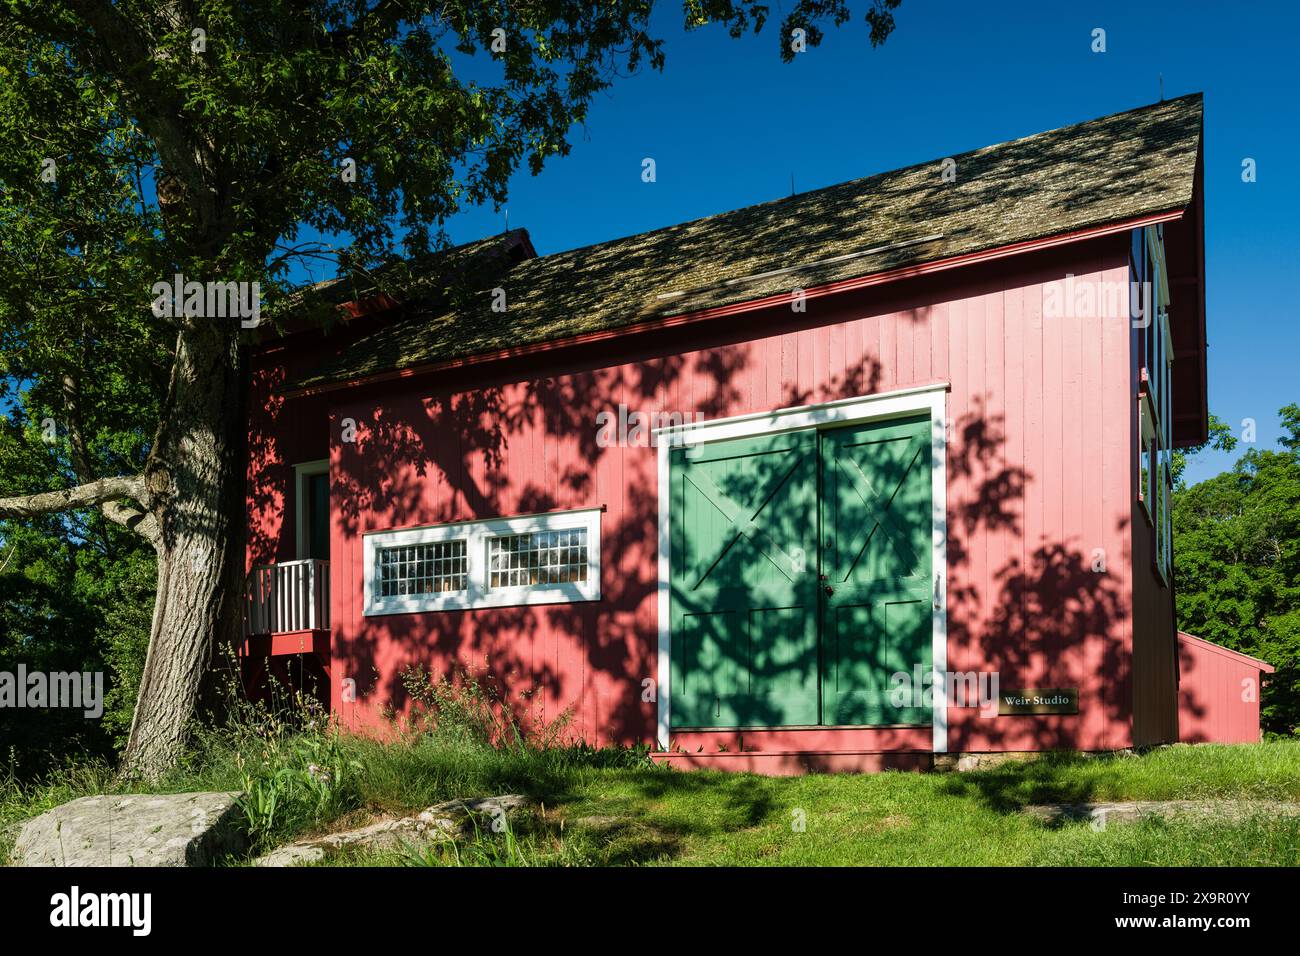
<point>537,557</point>
<point>533,559</point>
<point>433,568</point>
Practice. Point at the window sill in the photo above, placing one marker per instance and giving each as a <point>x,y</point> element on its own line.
<point>513,597</point>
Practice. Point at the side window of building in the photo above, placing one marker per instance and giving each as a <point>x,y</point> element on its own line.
<point>1139,300</point>
<point>1155,355</point>
<point>1147,458</point>
<point>503,562</point>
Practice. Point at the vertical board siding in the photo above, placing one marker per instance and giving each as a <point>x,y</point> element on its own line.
<point>1034,454</point>
<point>1013,536</point>
<point>1039,475</point>
<point>1117,468</point>
<point>1218,699</point>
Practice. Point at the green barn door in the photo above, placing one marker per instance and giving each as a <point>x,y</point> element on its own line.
<point>744,590</point>
<point>876,547</point>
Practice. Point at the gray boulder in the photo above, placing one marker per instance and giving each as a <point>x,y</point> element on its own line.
<point>174,829</point>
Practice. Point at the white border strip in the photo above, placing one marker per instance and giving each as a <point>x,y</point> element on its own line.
<point>664,598</point>
<point>939,566</point>
<point>848,411</point>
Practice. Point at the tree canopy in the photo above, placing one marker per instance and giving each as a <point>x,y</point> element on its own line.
<point>140,139</point>
<point>1237,565</point>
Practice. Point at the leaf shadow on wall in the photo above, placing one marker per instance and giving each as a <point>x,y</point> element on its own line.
<point>461,454</point>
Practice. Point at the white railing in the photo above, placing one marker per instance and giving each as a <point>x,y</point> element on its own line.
<point>293,596</point>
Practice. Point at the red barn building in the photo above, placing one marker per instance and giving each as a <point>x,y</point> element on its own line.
<point>739,486</point>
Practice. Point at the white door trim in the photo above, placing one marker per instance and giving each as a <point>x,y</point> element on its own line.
<point>848,411</point>
<point>301,471</point>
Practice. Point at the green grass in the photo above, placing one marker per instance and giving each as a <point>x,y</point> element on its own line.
<point>614,808</point>
<point>943,820</point>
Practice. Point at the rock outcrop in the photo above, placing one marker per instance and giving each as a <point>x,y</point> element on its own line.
<point>174,829</point>
<point>452,820</point>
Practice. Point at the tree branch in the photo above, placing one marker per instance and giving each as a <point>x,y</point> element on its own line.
<point>103,491</point>
<point>119,512</point>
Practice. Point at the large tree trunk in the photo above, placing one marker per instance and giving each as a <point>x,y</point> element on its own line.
<point>194,480</point>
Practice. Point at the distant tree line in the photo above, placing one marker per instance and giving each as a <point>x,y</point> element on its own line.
<point>1237,561</point>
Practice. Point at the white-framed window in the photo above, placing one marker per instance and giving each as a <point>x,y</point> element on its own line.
<point>534,559</point>
<point>429,567</point>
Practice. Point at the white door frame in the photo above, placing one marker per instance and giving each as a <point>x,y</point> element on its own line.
<point>847,411</point>
<point>301,471</point>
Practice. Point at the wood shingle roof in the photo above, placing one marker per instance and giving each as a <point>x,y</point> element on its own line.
<point>1116,168</point>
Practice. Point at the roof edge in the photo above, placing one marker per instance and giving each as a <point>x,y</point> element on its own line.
<point>1263,665</point>
<point>832,288</point>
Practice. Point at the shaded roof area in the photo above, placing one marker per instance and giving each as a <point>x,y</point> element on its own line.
<point>425,283</point>
<point>1103,171</point>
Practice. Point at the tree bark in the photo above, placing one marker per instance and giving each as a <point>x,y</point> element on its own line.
<point>193,479</point>
<point>190,502</point>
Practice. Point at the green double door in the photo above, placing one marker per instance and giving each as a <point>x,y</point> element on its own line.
<point>800,576</point>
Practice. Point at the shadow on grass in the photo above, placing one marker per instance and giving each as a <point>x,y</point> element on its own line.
<point>650,814</point>
<point>1009,788</point>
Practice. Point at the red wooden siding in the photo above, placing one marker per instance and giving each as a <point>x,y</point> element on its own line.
<point>1040,475</point>
<point>283,433</point>
<point>1218,693</point>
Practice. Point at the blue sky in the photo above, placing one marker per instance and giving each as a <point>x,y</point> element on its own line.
<point>728,123</point>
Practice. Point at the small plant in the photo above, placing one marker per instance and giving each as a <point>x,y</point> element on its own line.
<point>467,708</point>
<point>294,775</point>
<point>486,849</point>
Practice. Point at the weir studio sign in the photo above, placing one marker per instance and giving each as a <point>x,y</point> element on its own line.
<point>1052,700</point>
